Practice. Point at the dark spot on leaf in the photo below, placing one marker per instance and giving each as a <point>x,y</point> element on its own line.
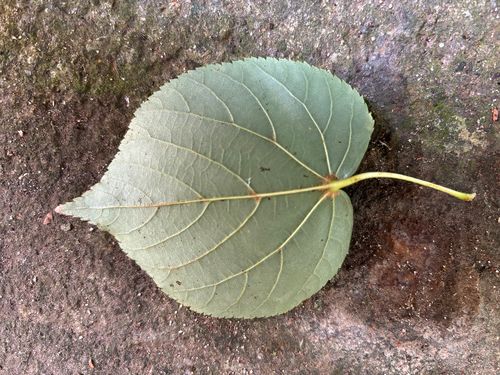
<point>178,282</point>
<point>264,169</point>
<point>305,175</point>
<point>171,285</point>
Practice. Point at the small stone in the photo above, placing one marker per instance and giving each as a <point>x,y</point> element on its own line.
<point>494,114</point>
<point>66,227</point>
<point>48,218</point>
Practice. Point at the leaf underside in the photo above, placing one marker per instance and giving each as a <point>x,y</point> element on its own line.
<point>235,129</point>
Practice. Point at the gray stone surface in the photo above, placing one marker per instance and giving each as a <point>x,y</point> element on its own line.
<point>419,290</point>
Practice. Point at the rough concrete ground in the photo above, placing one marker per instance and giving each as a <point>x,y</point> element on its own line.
<point>419,290</point>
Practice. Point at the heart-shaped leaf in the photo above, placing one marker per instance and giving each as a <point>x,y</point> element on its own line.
<point>216,190</point>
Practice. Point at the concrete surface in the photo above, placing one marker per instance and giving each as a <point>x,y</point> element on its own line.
<point>419,290</point>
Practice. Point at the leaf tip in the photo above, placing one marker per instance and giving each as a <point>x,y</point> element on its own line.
<point>60,209</point>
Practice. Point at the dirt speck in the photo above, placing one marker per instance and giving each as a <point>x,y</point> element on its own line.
<point>66,227</point>
<point>48,218</point>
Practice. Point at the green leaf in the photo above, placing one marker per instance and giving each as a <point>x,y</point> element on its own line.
<point>219,190</point>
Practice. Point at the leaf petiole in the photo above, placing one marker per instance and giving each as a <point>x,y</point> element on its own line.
<point>333,186</point>
<point>336,185</point>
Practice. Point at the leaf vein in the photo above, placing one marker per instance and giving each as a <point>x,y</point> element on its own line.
<point>276,144</point>
<point>322,138</point>
<point>193,222</point>
<point>266,113</point>
<point>273,287</point>
<point>211,297</point>
<point>306,83</point>
<point>212,92</point>
<point>331,105</point>
<point>181,95</point>
<point>238,299</point>
<point>162,173</point>
<point>100,213</point>
<point>199,155</point>
<point>349,142</point>
<point>324,250</point>
<point>119,208</point>
<point>263,259</point>
<point>219,244</point>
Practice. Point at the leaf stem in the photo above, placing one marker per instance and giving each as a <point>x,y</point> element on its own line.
<point>332,186</point>
<point>340,184</point>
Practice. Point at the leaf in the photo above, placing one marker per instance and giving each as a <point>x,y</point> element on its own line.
<point>218,190</point>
